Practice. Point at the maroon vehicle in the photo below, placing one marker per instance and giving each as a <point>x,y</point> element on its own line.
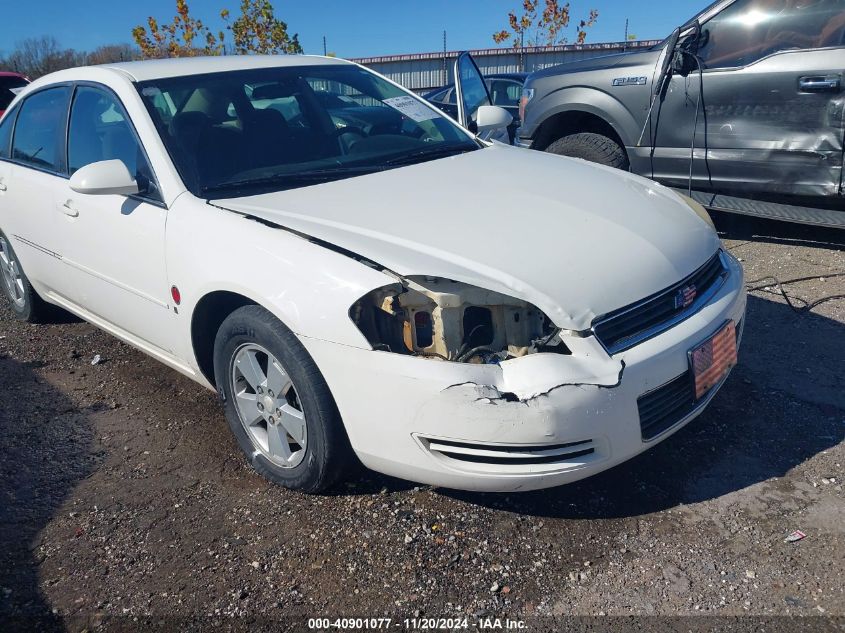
<point>9,85</point>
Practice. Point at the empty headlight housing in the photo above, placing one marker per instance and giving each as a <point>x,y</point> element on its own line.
<point>439,318</point>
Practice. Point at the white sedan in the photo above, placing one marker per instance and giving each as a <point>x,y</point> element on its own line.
<point>371,282</point>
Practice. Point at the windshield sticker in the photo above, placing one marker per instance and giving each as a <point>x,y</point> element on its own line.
<point>412,108</point>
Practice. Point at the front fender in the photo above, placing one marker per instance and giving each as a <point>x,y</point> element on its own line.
<point>623,116</point>
<point>306,286</point>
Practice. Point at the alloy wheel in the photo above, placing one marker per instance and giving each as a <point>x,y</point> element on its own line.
<point>268,405</point>
<point>11,273</point>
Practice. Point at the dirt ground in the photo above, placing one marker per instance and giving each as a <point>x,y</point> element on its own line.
<point>124,501</point>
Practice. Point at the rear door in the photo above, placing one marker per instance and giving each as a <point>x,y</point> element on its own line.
<point>28,176</point>
<point>770,116</point>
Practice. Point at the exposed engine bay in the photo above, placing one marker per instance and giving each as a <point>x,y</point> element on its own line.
<point>449,320</point>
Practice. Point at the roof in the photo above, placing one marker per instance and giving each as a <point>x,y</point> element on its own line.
<point>4,73</point>
<point>504,50</point>
<point>181,66</point>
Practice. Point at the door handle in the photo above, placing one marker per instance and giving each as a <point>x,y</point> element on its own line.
<point>3,186</point>
<point>829,83</point>
<point>69,210</point>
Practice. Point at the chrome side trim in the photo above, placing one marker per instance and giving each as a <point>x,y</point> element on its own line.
<point>700,301</point>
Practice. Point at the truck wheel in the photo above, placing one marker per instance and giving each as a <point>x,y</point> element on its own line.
<point>277,403</point>
<point>593,147</point>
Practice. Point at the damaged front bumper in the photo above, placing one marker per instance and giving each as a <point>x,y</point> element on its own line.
<point>532,422</point>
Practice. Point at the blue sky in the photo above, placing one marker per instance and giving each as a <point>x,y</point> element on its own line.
<point>353,28</point>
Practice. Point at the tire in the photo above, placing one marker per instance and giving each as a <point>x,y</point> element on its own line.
<point>25,303</point>
<point>593,147</point>
<point>316,453</point>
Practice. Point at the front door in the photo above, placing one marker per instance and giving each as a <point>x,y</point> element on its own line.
<point>113,245</point>
<point>769,119</point>
<point>472,93</point>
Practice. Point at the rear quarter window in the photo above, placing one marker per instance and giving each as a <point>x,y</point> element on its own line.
<point>8,89</point>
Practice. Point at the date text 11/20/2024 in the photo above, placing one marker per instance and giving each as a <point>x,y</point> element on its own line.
<point>415,624</point>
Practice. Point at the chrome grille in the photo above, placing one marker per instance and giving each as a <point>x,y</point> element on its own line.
<point>633,324</point>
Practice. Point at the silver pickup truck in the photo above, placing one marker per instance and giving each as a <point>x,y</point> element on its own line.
<point>742,108</point>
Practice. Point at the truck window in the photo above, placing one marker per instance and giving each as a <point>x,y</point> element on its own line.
<point>749,30</point>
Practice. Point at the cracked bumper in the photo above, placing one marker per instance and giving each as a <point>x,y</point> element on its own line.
<point>534,422</point>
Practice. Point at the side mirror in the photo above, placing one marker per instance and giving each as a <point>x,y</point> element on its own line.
<point>684,60</point>
<point>490,118</point>
<point>106,177</point>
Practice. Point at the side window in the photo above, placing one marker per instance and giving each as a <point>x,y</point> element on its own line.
<point>39,132</point>
<point>473,89</point>
<point>6,133</point>
<point>749,30</point>
<point>505,92</point>
<point>100,130</point>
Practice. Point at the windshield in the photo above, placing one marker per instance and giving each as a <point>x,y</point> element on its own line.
<point>242,132</point>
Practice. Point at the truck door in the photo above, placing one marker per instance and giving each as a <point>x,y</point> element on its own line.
<point>770,115</point>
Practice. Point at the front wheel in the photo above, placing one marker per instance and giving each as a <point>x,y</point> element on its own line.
<point>278,404</point>
<point>25,302</point>
<point>593,147</point>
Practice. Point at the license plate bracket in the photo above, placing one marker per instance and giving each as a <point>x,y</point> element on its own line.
<point>711,360</point>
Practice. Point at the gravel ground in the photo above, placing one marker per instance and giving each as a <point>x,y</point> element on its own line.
<point>125,502</point>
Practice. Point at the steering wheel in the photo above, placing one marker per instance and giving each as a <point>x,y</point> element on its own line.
<point>348,129</point>
<point>346,145</point>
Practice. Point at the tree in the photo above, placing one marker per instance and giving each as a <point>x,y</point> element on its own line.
<point>111,53</point>
<point>178,38</point>
<point>39,56</point>
<point>257,30</point>
<point>536,27</point>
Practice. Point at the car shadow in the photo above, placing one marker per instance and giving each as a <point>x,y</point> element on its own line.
<point>45,443</point>
<point>743,227</point>
<point>783,404</point>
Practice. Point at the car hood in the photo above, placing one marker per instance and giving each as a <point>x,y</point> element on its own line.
<point>620,60</point>
<point>575,239</point>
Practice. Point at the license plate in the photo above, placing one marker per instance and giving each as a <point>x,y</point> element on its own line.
<point>711,360</point>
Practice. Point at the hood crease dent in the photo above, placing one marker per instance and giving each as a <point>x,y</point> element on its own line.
<point>572,238</point>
